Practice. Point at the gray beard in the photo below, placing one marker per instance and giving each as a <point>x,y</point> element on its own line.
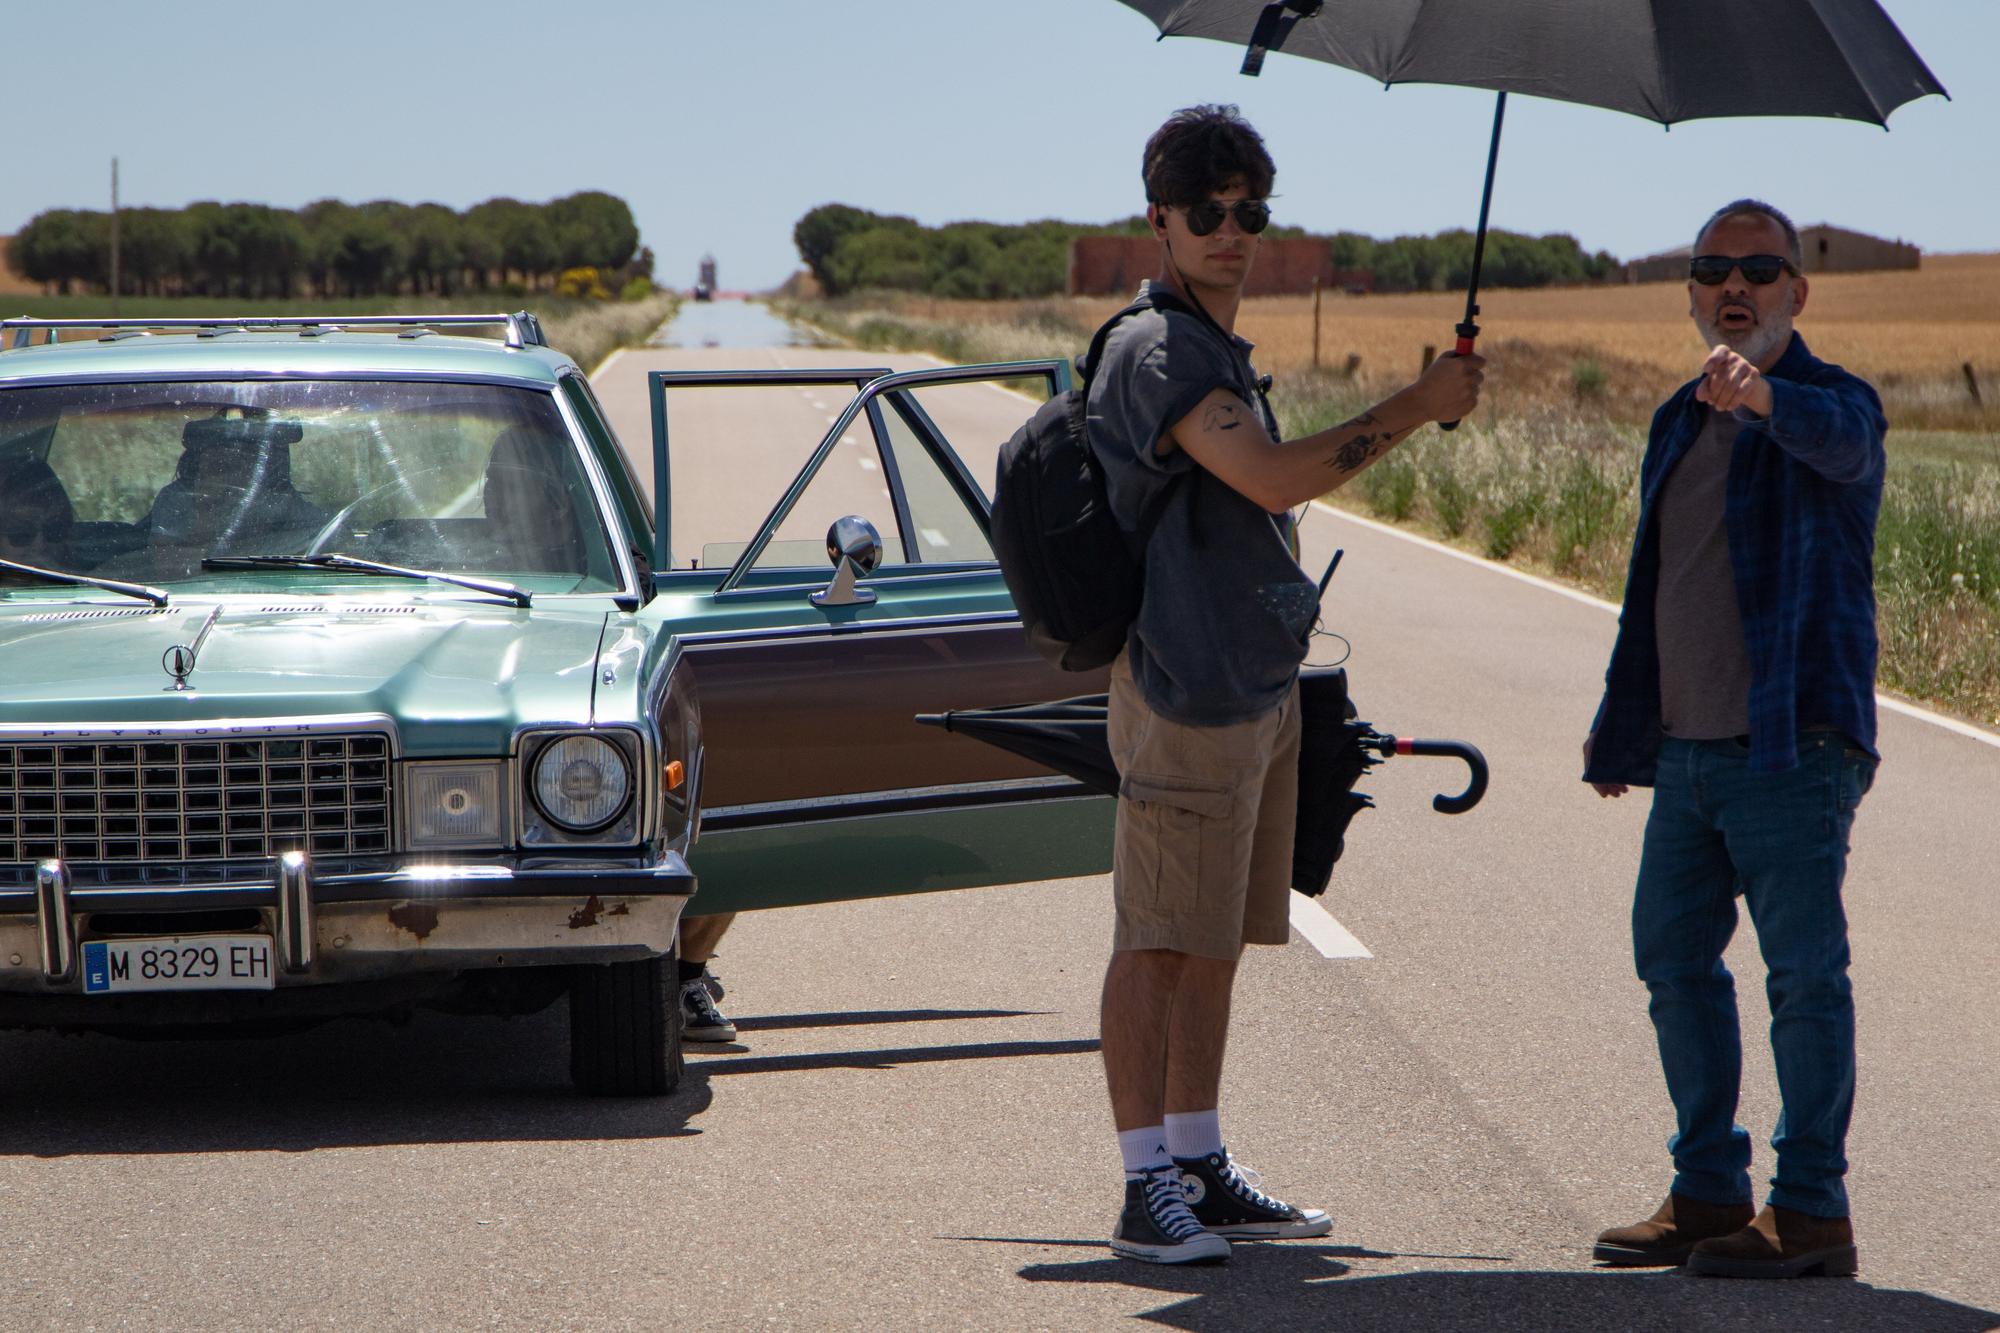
<point>1755,344</point>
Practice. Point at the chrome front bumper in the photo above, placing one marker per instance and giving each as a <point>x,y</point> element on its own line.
<point>362,922</point>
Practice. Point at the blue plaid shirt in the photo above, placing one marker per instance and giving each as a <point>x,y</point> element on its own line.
<point>1805,484</point>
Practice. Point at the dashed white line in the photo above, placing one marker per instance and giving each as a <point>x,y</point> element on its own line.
<point>1325,934</point>
<point>868,463</point>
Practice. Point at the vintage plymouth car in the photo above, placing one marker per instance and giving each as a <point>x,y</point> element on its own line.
<point>345,667</point>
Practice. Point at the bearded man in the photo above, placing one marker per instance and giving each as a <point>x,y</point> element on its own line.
<point>1741,689</point>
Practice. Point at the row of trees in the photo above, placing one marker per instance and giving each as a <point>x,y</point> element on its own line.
<point>849,249</point>
<point>328,248</point>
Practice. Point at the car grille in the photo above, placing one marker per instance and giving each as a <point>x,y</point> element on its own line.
<point>158,801</point>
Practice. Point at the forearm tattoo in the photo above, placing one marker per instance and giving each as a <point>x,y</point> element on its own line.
<point>1223,416</point>
<point>1354,452</point>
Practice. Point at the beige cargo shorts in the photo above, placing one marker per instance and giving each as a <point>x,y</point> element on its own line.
<point>1202,862</point>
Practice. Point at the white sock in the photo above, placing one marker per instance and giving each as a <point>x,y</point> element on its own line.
<point>1193,1133</point>
<point>1143,1149</point>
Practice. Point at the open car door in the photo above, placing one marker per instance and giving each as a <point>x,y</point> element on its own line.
<point>867,593</point>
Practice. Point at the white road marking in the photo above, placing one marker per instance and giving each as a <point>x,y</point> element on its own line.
<point>868,463</point>
<point>1325,934</point>
<point>934,537</point>
<point>1902,706</point>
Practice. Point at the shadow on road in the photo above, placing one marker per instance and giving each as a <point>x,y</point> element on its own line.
<point>438,1079</point>
<point>891,1058</point>
<point>1266,1286</point>
<point>856,1018</point>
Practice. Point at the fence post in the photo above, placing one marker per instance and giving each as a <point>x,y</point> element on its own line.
<point>1430,355</point>
<point>1971,380</point>
<point>1316,295</point>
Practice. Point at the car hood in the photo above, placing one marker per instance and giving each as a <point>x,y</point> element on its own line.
<point>471,673</point>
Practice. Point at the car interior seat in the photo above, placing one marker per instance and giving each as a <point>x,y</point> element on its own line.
<point>37,519</point>
<point>528,508</point>
<point>232,489</point>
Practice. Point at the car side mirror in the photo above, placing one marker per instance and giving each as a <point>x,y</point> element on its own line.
<point>855,548</point>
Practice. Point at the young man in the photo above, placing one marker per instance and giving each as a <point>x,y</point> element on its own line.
<point>1742,690</point>
<point>1204,701</point>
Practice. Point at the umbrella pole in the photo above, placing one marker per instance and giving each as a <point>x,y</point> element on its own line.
<point>1468,330</point>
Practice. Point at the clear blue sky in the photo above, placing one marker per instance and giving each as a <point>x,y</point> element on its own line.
<point>722,122</point>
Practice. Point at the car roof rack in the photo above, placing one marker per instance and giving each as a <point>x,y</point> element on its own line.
<point>523,328</point>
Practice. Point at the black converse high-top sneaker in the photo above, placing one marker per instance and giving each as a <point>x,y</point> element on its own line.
<point>1157,1228</point>
<point>1225,1199</point>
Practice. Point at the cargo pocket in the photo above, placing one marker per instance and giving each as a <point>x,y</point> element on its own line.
<point>1181,832</point>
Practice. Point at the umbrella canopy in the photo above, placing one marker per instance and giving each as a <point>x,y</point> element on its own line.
<point>1666,60</point>
<point>1335,749</point>
<point>1685,60</point>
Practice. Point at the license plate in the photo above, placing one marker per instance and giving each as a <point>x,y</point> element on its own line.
<point>194,962</point>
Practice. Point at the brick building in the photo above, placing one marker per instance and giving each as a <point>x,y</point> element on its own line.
<point>1115,265</point>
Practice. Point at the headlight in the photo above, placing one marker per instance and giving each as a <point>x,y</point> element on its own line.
<point>581,782</point>
<point>457,805</point>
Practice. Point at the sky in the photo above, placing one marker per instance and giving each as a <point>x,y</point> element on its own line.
<point>723,121</point>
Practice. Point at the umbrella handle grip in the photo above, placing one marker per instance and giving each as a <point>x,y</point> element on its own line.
<point>1464,348</point>
<point>1475,789</point>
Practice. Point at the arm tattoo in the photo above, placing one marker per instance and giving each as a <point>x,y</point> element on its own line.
<point>1223,416</point>
<point>1361,448</point>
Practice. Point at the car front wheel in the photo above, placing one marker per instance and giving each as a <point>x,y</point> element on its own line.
<point>625,1028</point>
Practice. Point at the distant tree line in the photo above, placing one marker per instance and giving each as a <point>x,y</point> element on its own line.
<point>328,248</point>
<point>850,249</point>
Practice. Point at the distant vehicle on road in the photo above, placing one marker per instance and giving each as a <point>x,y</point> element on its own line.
<point>704,285</point>
<point>343,670</point>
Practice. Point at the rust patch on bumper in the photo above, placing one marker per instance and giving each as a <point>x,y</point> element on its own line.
<point>587,914</point>
<point>620,910</point>
<point>420,919</point>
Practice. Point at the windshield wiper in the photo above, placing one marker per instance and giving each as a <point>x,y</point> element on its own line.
<point>337,560</point>
<point>157,596</point>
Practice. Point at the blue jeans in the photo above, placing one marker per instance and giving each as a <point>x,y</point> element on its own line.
<point>1780,840</point>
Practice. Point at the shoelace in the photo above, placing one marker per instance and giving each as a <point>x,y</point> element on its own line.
<point>1166,1203</point>
<point>695,995</point>
<point>1243,1182</point>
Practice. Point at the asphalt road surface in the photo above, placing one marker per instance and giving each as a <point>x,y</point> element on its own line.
<point>912,1129</point>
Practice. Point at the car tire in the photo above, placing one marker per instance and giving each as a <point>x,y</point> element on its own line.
<point>625,1028</point>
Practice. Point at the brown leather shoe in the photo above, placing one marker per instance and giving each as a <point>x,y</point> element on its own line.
<point>1781,1243</point>
<point>1664,1239</point>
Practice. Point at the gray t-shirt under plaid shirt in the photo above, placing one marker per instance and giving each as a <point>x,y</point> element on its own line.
<point>1223,624</point>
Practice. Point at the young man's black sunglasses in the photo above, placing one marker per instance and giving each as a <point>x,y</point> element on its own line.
<point>1708,270</point>
<point>1253,215</point>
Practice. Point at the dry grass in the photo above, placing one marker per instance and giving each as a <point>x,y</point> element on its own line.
<point>1544,474</point>
<point>1908,333</point>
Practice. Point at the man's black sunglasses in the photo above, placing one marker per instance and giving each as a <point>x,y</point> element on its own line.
<point>1253,215</point>
<point>1708,270</point>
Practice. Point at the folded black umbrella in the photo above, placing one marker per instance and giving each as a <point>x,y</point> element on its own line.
<point>1335,750</point>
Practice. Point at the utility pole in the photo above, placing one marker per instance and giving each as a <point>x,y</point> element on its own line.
<point>114,238</point>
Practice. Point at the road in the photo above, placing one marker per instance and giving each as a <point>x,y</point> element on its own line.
<point>912,1130</point>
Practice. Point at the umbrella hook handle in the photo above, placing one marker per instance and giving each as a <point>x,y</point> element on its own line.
<point>1475,761</point>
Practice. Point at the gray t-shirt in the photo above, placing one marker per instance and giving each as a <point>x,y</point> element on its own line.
<point>1223,623</point>
<point>1704,663</point>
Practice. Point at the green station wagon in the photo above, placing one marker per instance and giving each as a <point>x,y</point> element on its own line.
<point>345,667</point>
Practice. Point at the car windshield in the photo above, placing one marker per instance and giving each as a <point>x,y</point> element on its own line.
<point>144,481</point>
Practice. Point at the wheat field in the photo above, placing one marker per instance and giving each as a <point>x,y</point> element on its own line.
<point>1909,332</point>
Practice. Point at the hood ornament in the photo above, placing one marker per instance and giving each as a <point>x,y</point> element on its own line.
<point>179,660</point>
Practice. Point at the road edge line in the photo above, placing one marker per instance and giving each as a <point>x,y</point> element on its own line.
<point>1894,705</point>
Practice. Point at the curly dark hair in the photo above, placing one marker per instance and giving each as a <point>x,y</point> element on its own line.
<point>1199,150</point>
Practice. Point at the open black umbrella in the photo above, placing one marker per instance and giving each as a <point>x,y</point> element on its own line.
<point>1665,60</point>
<point>1335,749</point>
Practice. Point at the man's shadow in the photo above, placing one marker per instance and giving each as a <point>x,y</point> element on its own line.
<point>1317,1286</point>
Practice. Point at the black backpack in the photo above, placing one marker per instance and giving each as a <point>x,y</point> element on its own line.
<point>1075,578</point>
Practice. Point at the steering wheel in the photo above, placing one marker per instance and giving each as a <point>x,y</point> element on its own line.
<point>340,525</point>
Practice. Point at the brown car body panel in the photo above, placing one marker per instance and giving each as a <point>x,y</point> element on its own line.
<point>790,718</point>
